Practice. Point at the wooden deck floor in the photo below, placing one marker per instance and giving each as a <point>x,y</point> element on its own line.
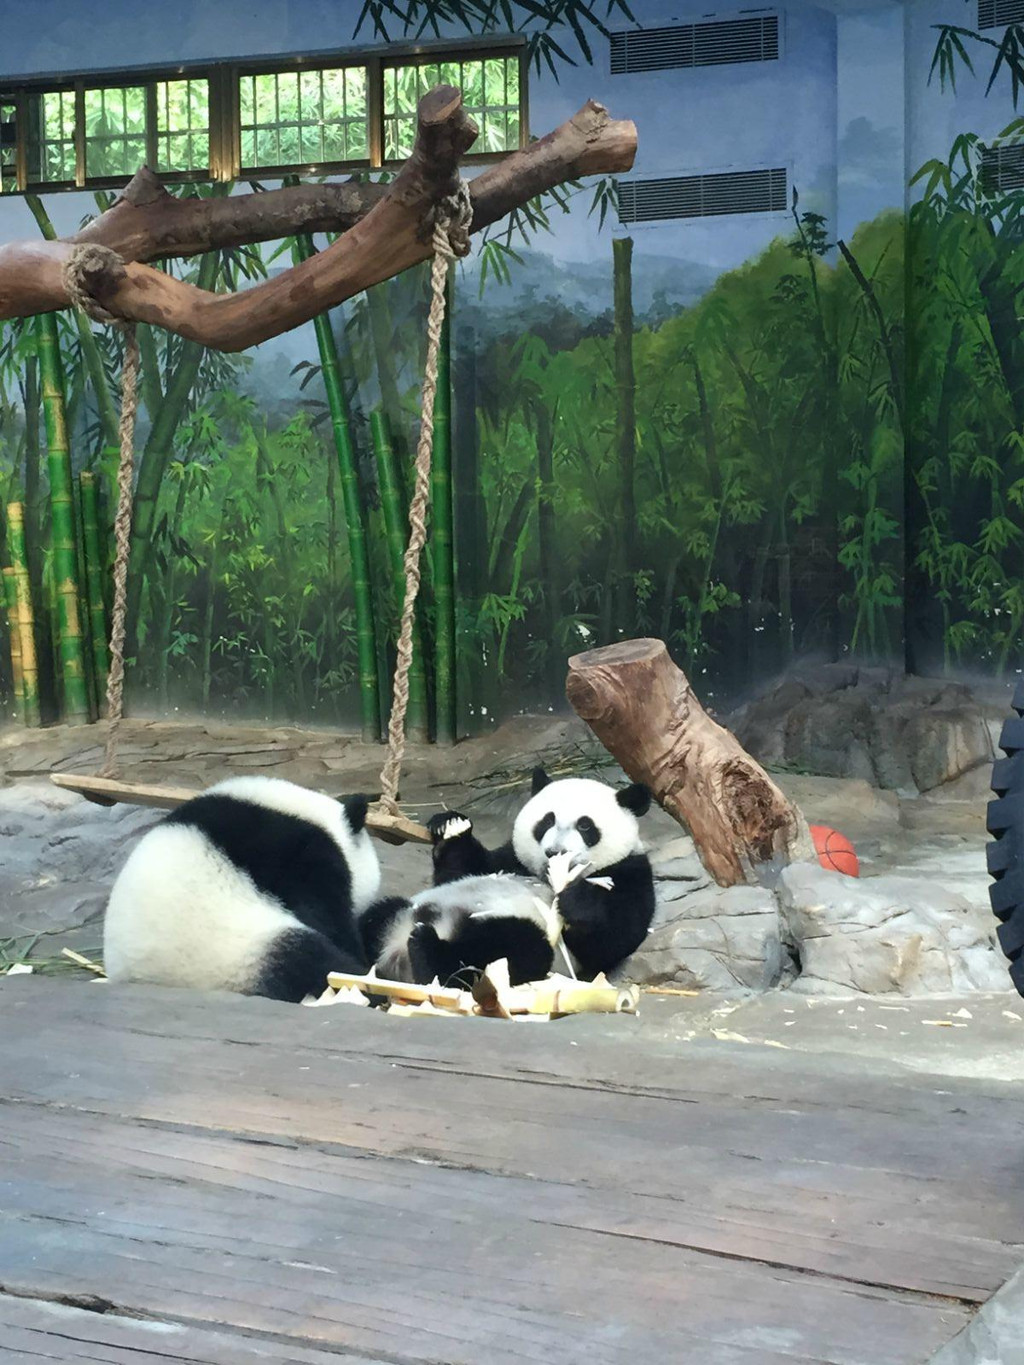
<point>220,1180</point>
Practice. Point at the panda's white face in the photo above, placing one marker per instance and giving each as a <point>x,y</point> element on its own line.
<point>579,816</point>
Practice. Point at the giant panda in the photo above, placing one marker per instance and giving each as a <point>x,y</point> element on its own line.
<point>251,887</point>
<point>575,850</point>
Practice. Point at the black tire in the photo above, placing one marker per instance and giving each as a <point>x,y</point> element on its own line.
<point>1005,854</point>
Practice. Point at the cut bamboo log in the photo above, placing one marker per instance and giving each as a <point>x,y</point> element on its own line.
<point>25,615</point>
<point>107,791</point>
<point>14,636</point>
<point>644,711</point>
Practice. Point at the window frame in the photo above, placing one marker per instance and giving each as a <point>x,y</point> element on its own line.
<point>223,79</point>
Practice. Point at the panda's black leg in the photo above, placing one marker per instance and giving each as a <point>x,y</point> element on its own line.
<point>525,946</point>
<point>297,965</point>
<point>430,957</point>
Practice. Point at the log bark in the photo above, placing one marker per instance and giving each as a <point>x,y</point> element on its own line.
<point>644,711</point>
<point>386,232</point>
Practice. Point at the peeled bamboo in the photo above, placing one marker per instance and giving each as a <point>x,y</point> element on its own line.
<point>395,522</point>
<point>25,616</point>
<point>94,582</point>
<point>62,525</point>
<point>14,635</point>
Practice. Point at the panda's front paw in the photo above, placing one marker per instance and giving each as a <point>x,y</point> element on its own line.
<point>448,824</point>
<point>563,870</point>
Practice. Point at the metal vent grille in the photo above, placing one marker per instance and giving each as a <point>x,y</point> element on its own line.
<point>1002,168</point>
<point>702,196</point>
<point>711,44</point>
<point>996,13</point>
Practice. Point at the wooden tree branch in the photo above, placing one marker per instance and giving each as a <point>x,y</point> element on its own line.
<point>643,710</point>
<point>387,230</point>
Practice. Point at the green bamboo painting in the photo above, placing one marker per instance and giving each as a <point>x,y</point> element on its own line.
<point>369,686</point>
<point>70,636</point>
<point>14,637</point>
<point>24,612</point>
<point>443,542</point>
<point>395,529</point>
<point>94,574</point>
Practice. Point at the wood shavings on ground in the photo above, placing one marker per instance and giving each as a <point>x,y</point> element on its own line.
<point>81,961</point>
<point>492,996</point>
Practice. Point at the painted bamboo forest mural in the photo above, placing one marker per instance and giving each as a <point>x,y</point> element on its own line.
<point>806,442</point>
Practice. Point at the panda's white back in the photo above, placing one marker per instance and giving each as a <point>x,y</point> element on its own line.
<point>182,914</point>
<point>252,890</point>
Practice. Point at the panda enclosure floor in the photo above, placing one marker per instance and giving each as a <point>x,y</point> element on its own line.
<point>212,1179</point>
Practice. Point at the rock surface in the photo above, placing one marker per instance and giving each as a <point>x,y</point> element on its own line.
<point>715,939</point>
<point>904,734</point>
<point>885,935</point>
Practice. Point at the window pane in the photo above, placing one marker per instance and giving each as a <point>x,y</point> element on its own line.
<point>301,119</point>
<point>8,148</point>
<point>490,95</point>
<point>115,131</point>
<point>183,125</point>
<point>51,136</point>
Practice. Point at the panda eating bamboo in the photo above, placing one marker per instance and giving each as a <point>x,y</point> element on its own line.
<point>573,878</point>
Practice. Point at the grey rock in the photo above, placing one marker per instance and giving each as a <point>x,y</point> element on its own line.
<point>994,1337</point>
<point>905,734</point>
<point>885,935</point>
<point>718,939</point>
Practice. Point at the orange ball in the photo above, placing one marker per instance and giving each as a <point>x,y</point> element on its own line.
<point>834,850</point>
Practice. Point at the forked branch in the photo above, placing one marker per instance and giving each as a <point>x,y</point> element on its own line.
<point>385,230</point>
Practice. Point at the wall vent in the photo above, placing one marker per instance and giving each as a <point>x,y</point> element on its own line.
<point>997,13</point>
<point>716,43</point>
<point>1002,168</point>
<point>703,196</point>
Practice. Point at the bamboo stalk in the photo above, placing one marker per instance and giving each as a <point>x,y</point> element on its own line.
<point>94,583</point>
<point>14,635</point>
<point>366,639</point>
<point>444,545</point>
<point>62,524</point>
<point>395,521</point>
<point>26,622</point>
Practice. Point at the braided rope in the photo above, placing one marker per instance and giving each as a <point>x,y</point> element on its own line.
<point>451,219</point>
<point>80,264</point>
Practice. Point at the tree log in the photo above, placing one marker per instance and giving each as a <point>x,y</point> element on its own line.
<point>645,713</point>
<point>387,230</point>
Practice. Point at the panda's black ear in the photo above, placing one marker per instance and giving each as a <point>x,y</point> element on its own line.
<point>539,782</point>
<point>636,798</point>
<point>355,812</point>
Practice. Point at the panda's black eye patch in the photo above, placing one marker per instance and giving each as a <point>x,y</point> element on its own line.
<point>542,826</point>
<point>588,831</point>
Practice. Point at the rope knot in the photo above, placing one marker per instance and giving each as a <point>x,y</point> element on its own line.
<point>87,266</point>
<point>450,219</point>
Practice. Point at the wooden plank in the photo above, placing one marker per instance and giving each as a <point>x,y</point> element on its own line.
<point>107,791</point>
<point>33,1331</point>
<point>400,1262</point>
<point>928,1201</point>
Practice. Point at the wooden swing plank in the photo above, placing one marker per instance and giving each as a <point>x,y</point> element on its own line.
<point>108,791</point>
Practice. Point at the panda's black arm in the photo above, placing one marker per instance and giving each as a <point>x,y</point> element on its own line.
<point>465,856</point>
<point>604,925</point>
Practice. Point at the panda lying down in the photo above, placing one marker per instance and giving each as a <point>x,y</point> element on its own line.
<point>263,887</point>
